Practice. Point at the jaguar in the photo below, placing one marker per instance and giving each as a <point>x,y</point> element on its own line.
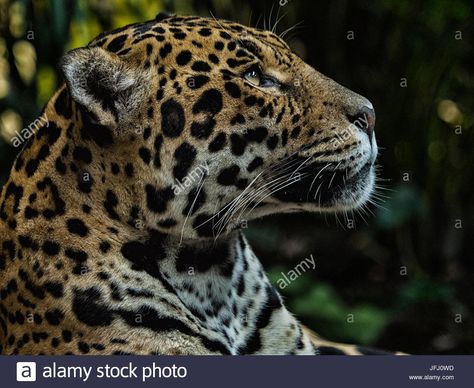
<point>121,221</point>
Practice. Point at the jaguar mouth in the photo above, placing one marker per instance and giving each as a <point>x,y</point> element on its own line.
<point>329,189</point>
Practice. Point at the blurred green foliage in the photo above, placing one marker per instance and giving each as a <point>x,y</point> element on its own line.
<point>403,277</point>
<point>360,323</point>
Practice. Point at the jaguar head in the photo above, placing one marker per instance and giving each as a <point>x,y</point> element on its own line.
<point>223,123</point>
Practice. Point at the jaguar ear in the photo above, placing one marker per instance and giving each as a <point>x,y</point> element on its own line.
<point>108,88</point>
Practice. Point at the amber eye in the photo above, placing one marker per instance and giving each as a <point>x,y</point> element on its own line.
<point>254,77</point>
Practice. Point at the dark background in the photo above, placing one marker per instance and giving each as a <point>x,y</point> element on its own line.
<point>404,277</point>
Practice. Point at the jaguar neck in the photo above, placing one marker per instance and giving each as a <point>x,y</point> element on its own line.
<point>187,263</point>
<point>223,285</point>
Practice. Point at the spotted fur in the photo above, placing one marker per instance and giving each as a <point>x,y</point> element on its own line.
<point>119,223</point>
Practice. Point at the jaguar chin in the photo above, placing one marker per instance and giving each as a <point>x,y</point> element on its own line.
<point>356,191</point>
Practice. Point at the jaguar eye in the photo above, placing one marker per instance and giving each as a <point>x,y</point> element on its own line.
<point>253,76</point>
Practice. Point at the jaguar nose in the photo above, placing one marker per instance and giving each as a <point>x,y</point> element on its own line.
<point>364,119</point>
